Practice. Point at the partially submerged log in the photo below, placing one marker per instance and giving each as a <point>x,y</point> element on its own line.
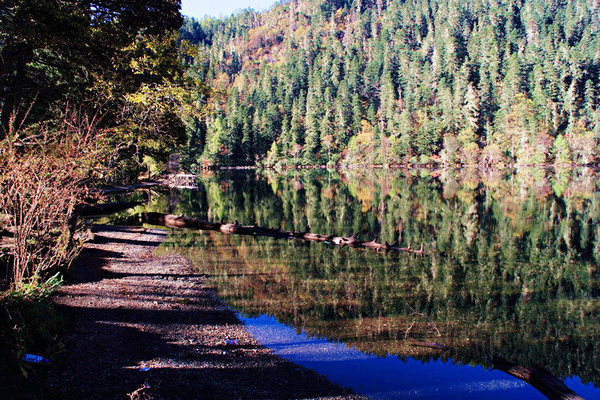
<point>6,242</point>
<point>431,345</point>
<point>175,221</point>
<point>539,378</point>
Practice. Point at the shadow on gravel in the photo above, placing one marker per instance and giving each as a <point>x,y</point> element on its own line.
<point>104,239</point>
<point>139,321</point>
<point>119,343</point>
<point>88,267</point>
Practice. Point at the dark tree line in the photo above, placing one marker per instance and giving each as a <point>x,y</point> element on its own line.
<point>111,60</point>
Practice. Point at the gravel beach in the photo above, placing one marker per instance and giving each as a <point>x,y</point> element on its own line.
<point>146,326</point>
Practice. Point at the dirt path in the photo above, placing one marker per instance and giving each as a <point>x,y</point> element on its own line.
<point>129,310</point>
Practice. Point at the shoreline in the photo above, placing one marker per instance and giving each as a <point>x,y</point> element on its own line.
<point>146,326</point>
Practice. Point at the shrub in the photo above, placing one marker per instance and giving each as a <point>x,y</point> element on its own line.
<point>44,175</point>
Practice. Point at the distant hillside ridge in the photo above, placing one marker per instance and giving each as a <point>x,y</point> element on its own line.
<point>482,83</point>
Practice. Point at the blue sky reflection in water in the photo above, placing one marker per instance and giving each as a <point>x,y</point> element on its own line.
<point>392,378</point>
<point>389,377</point>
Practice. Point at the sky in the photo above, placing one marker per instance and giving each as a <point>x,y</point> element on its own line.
<point>216,8</point>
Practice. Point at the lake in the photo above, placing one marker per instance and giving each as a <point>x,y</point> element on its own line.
<point>510,270</point>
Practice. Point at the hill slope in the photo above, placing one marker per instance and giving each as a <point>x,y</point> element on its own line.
<point>380,81</point>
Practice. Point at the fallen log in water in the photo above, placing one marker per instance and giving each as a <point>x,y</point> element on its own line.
<point>175,221</point>
<point>431,345</point>
<point>182,181</point>
<point>539,378</point>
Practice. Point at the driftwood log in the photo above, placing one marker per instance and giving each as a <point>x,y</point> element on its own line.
<point>175,221</point>
<point>539,378</point>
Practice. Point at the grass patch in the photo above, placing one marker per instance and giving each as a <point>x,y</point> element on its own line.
<point>29,323</point>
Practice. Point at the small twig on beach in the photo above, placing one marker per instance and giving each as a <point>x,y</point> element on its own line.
<point>414,312</point>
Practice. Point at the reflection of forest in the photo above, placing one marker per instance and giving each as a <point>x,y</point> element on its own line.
<point>513,266</point>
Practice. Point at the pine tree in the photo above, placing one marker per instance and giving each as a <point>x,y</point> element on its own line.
<point>342,116</point>
<point>472,108</point>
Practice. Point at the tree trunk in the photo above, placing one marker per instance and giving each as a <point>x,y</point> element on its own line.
<point>539,378</point>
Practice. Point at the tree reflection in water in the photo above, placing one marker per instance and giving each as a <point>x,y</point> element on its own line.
<point>512,268</point>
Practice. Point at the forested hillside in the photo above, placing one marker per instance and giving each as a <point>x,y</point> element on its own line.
<point>486,82</point>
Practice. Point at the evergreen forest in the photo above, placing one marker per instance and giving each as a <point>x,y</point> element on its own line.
<point>478,82</point>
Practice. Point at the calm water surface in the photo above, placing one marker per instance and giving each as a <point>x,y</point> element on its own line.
<point>511,270</point>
